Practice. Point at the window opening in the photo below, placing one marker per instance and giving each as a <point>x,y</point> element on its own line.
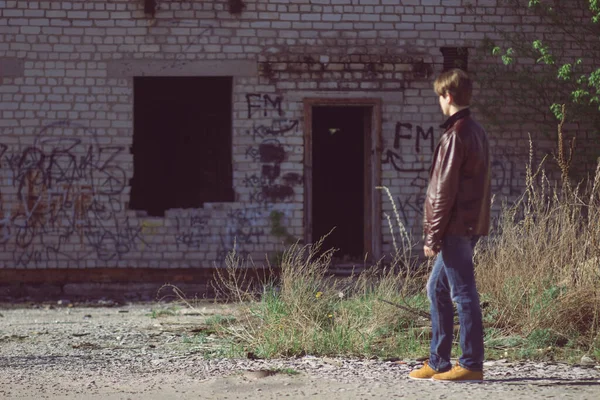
<point>182,155</point>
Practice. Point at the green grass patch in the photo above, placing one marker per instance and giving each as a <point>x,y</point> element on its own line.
<point>285,371</point>
<point>219,320</point>
<point>165,312</point>
<point>538,276</point>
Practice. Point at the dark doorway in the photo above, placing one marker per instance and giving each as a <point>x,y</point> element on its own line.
<point>182,155</point>
<point>338,179</point>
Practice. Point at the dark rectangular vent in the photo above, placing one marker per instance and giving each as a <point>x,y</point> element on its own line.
<point>455,57</point>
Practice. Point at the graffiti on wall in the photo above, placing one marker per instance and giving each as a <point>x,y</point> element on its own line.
<point>278,127</point>
<point>422,142</point>
<point>244,228</point>
<point>264,105</point>
<point>414,164</point>
<point>418,144</point>
<point>200,32</point>
<point>508,171</point>
<point>61,198</point>
<point>192,232</point>
<point>270,186</point>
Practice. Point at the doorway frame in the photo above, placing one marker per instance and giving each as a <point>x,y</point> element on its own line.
<point>372,169</point>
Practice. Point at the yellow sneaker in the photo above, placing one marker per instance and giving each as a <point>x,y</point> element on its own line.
<point>459,374</point>
<point>425,372</point>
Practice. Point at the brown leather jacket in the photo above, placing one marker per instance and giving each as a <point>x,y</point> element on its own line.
<point>458,199</point>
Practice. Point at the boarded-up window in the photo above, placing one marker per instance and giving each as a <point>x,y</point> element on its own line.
<point>181,143</point>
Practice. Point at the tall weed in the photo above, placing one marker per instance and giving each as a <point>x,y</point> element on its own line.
<point>307,310</point>
<point>540,269</point>
<point>538,274</point>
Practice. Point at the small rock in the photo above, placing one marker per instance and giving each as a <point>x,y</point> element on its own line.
<point>586,360</point>
<point>259,374</point>
<point>252,356</point>
<point>190,313</point>
<point>63,302</point>
<point>332,361</point>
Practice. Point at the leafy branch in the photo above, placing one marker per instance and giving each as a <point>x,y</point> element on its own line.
<point>579,76</point>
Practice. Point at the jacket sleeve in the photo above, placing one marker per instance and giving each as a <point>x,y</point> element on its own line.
<point>443,194</point>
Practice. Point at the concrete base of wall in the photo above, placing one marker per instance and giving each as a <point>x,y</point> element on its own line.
<point>117,284</point>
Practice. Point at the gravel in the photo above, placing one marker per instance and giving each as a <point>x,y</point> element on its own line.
<point>110,351</point>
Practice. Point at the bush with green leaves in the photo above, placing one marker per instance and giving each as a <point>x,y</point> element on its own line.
<point>565,57</point>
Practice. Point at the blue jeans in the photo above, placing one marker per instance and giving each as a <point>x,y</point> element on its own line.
<point>453,279</point>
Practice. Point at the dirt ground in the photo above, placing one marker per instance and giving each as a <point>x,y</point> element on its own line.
<point>150,351</point>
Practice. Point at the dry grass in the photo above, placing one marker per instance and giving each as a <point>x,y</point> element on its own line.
<point>538,274</point>
<point>306,310</point>
<point>540,270</point>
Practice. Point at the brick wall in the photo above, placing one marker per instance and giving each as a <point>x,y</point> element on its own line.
<point>66,107</point>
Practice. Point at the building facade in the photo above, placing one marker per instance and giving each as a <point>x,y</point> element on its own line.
<point>165,134</point>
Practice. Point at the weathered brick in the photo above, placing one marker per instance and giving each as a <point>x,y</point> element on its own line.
<point>77,14</point>
<point>12,13</point>
<point>56,14</point>
<point>82,73</point>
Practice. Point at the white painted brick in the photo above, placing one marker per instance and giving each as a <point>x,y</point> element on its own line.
<point>99,15</point>
<point>77,14</point>
<point>290,17</point>
<point>332,17</point>
<point>30,30</point>
<point>120,15</point>
<point>59,22</point>
<point>269,15</point>
<point>56,14</point>
<point>411,18</point>
<point>66,77</point>
<point>12,13</point>
<point>444,27</point>
<point>465,28</point>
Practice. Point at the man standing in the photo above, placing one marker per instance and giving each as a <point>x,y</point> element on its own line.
<point>457,213</point>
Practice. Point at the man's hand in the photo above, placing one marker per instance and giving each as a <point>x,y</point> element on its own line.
<point>429,252</point>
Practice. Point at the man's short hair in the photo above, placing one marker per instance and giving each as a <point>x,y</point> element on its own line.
<point>457,83</point>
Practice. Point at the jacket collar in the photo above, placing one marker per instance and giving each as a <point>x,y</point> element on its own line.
<point>452,120</point>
